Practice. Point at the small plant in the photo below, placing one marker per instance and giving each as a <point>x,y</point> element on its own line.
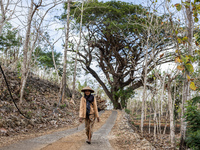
<point>55,105</point>
<point>29,114</point>
<point>128,111</point>
<point>63,106</point>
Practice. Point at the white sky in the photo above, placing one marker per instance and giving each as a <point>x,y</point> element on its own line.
<point>56,34</point>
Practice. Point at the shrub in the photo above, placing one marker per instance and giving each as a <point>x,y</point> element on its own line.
<point>192,116</point>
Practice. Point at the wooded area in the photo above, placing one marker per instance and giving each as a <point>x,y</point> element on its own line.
<point>140,57</point>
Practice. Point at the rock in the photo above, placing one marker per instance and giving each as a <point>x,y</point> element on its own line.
<point>3,131</point>
<point>1,123</point>
<point>101,104</point>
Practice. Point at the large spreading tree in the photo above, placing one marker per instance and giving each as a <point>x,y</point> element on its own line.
<point>116,38</point>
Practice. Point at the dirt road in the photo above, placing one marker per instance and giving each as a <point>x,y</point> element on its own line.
<point>111,133</point>
<point>99,139</point>
<point>68,139</point>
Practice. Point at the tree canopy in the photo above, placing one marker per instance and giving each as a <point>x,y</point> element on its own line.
<point>116,36</point>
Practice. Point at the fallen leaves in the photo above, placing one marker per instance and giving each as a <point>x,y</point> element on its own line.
<point>40,102</point>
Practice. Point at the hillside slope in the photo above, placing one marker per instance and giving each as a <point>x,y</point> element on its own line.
<point>40,104</point>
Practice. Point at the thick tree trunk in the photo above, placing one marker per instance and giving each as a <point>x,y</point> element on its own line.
<point>116,104</point>
<point>111,94</point>
<point>115,100</point>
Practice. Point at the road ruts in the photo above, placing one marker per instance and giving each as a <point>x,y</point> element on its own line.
<point>100,138</point>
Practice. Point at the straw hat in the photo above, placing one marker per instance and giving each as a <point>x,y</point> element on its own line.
<point>87,88</point>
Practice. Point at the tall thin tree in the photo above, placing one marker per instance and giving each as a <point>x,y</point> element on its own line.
<point>63,82</point>
<point>189,25</point>
<point>77,47</point>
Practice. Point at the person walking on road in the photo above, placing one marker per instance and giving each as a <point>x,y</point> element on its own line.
<point>88,111</point>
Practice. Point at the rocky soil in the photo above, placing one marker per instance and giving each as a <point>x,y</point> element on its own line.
<point>124,137</point>
<point>161,141</point>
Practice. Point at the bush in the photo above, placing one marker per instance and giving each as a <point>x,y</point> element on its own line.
<point>192,116</point>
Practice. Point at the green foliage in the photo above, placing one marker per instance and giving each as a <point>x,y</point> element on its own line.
<point>9,39</point>
<point>124,95</point>
<point>116,32</point>
<point>178,7</point>
<point>197,36</point>
<point>45,59</point>
<point>192,116</point>
<point>128,111</point>
<point>194,5</point>
<point>71,66</point>
<point>109,16</point>
<point>63,106</point>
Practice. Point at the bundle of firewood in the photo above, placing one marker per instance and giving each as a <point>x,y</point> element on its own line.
<point>101,104</point>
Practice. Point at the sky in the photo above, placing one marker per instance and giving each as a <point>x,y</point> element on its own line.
<point>54,33</point>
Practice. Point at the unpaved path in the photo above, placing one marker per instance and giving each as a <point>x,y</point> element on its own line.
<point>77,140</point>
<point>100,140</point>
<point>42,141</point>
<point>113,132</point>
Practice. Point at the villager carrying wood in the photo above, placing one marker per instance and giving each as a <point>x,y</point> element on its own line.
<point>88,111</point>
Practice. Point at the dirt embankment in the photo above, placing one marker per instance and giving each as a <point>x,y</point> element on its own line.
<point>40,104</point>
<point>123,137</point>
